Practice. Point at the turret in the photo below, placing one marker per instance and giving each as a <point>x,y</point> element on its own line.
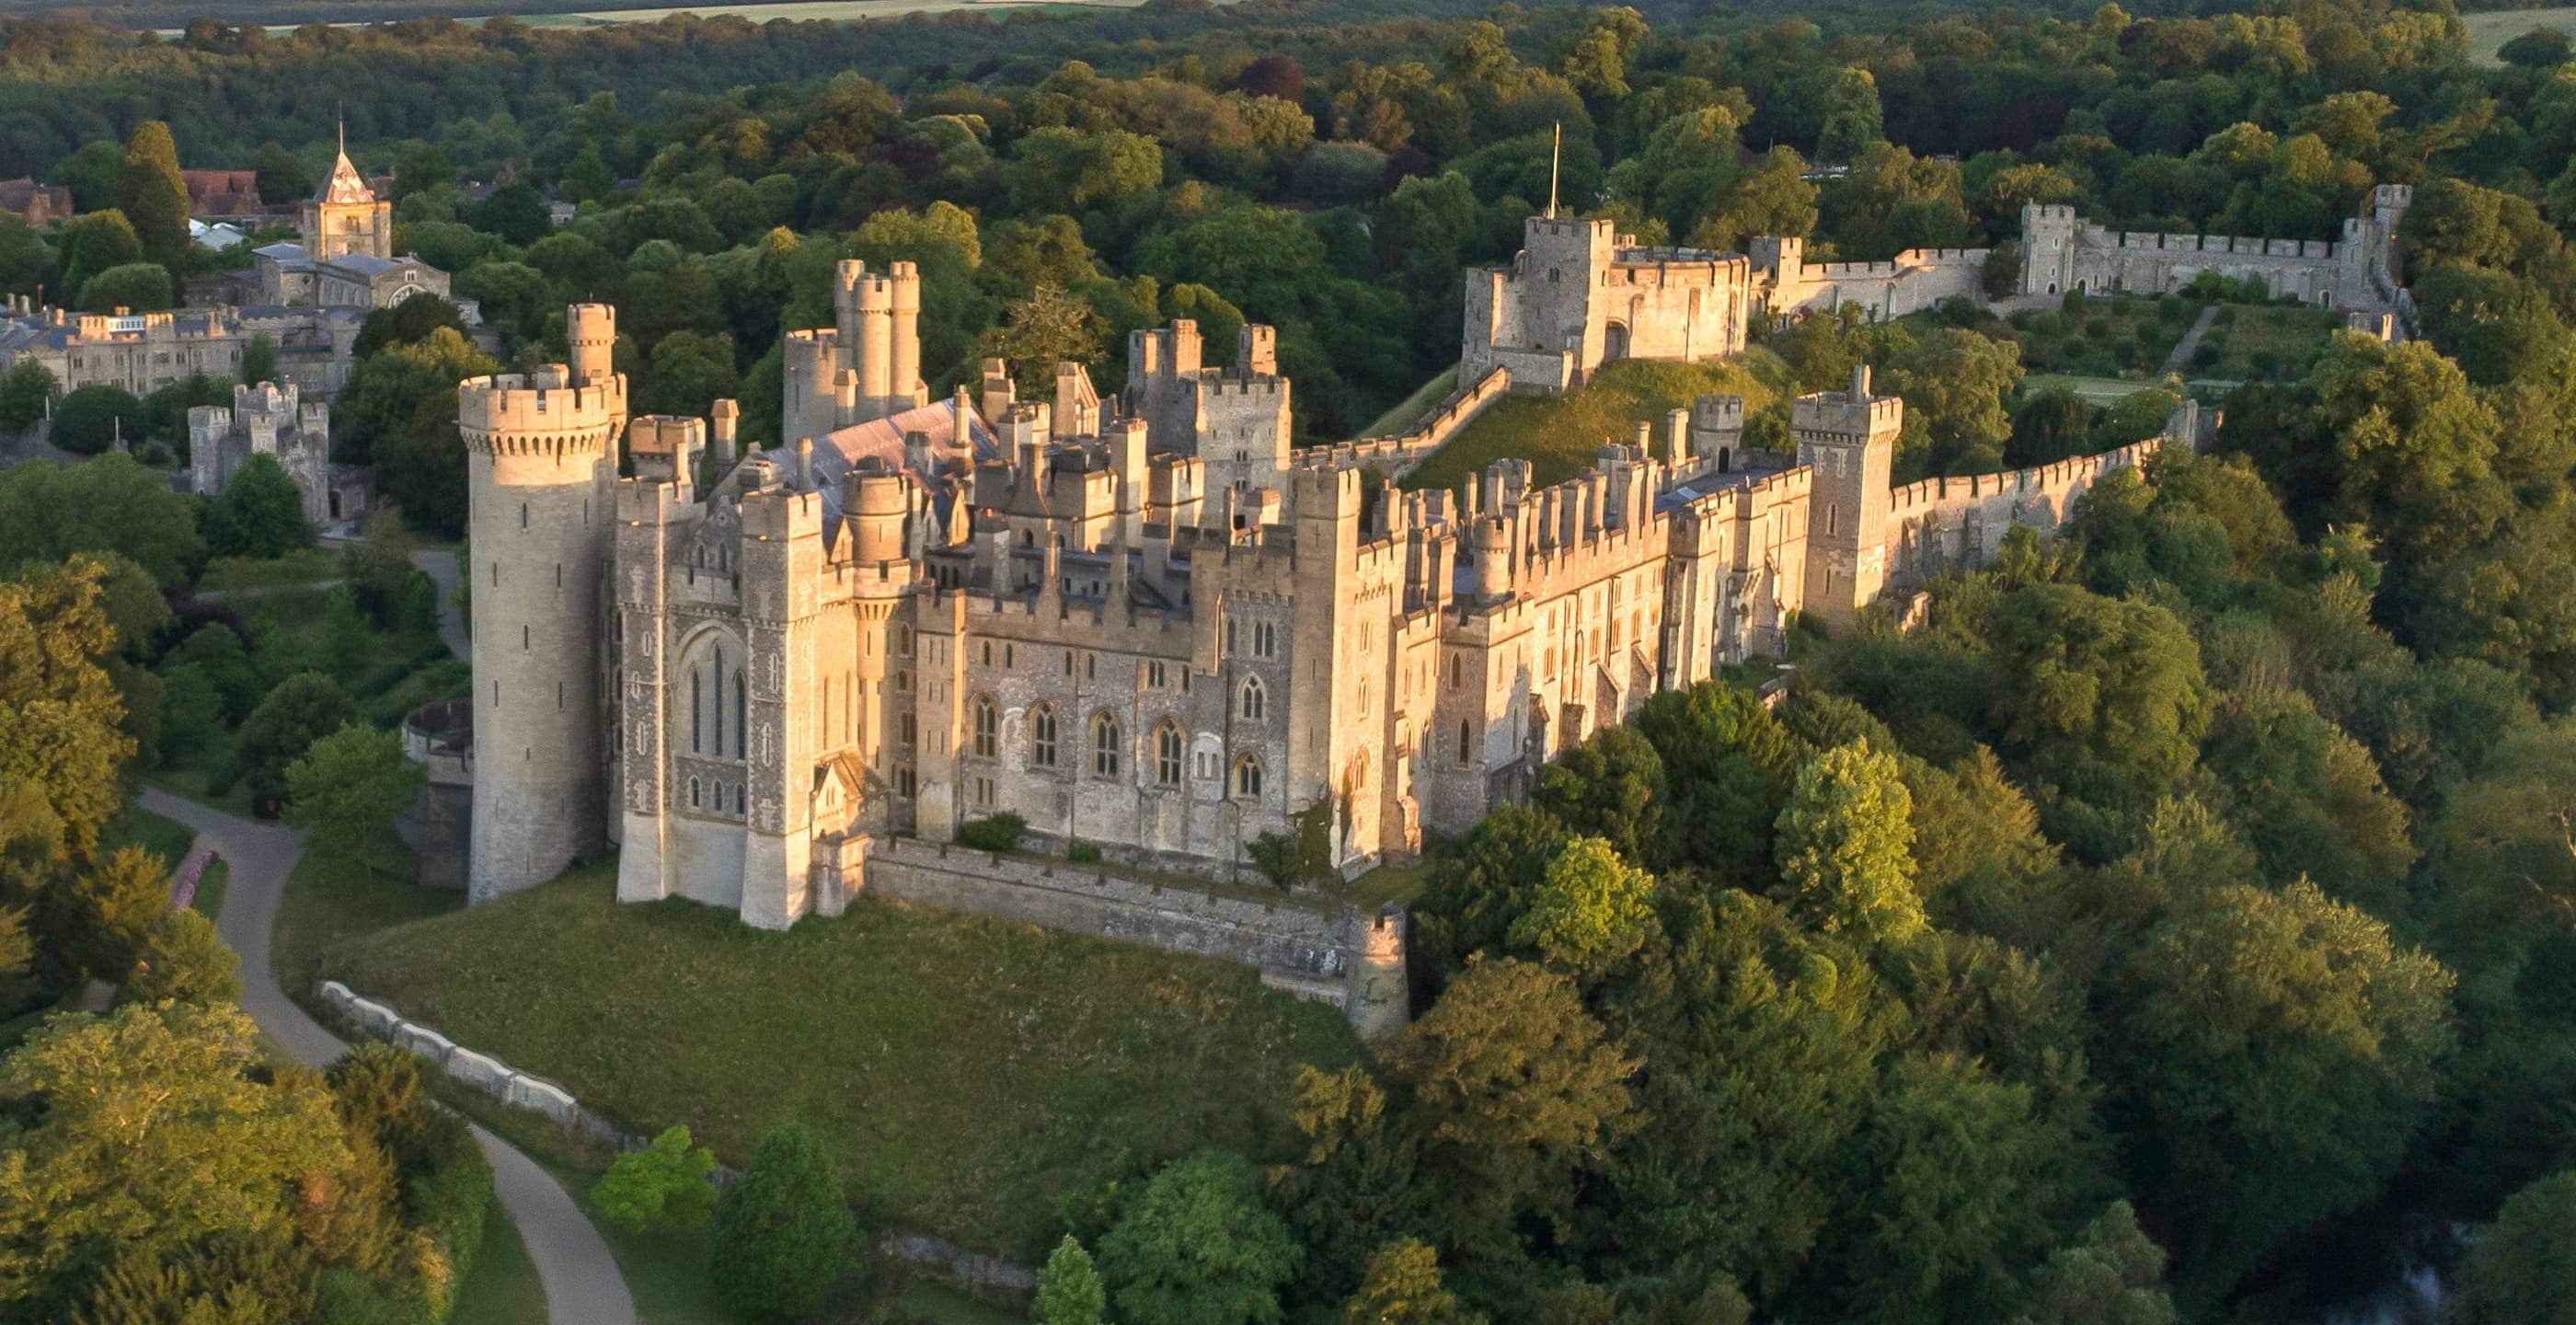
<point>540,456</point>
<point>1847,440</point>
<point>591,331</point>
<point>724,423</point>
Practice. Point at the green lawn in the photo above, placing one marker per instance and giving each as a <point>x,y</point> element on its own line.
<point>2489,32</point>
<point>2262,342</point>
<point>972,1072</point>
<point>1560,435</point>
<point>504,1289</point>
<point>211,885</point>
<point>329,900</point>
<point>2095,390</point>
<point>2106,337</point>
<point>138,827</point>
<point>310,566</point>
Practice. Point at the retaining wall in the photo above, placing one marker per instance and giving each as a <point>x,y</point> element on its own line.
<point>1352,960</point>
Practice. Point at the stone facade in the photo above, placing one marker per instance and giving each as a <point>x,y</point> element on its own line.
<point>1236,420</point>
<point>1915,280</point>
<point>2359,273</point>
<point>269,420</point>
<point>541,469</point>
<point>765,675</point>
<point>1578,296</point>
<point>138,352</point>
<point>867,364</point>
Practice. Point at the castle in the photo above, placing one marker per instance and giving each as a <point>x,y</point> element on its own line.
<point>1144,625</point>
<point>272,420</point>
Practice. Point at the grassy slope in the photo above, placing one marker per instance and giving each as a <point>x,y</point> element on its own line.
<point>973,1072</point>
<point>329,900</point>
<point>1559,435</point>
<point>1410,410</point>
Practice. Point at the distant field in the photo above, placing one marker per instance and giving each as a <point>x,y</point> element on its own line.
<point>2489,32</point>
<point>798,10</point>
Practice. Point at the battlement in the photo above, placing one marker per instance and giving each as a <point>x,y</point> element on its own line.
<point>1253,388</point>
<point>1852,413</point>
<point>543,403</point>
<point>1578,228</point>
<point>1932,493</point>
<point>779,514</point>
<point>2047,214</point>
<point>1718,411</point>
<point>1909,260</point>
<point>855,287</point>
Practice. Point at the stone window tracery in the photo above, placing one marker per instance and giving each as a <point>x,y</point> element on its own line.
<point>1104,745</point>
<point>987,727</point>
<point>1042,736</point>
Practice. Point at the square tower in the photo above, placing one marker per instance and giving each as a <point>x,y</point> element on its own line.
<point>1847,441</point>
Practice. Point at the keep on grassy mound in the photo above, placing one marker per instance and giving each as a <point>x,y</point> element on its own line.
<point>972,1072</point>
<point>1560,435</point>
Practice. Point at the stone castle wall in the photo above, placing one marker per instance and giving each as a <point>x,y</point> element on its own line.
<point>1914,281</point>
<point>1956,524</point>
<point>1348,959</point>
<point>1404,452</point>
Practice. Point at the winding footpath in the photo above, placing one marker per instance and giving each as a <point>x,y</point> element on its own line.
<point>582,1283</point>
<point>581,1279</point>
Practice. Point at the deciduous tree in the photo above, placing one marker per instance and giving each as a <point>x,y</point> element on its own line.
<point>1196,1246</point>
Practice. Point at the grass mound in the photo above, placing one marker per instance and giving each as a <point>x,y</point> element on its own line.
<point>973,1073</point>
<point>1560,435</point>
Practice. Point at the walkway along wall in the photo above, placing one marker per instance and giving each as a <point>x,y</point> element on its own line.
<point>1401,454</point>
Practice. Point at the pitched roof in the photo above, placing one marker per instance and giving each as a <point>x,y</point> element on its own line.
<point>345,185</point>
<point>836,453</point>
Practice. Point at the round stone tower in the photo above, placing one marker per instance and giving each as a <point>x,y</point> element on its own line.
<point>541,472</point>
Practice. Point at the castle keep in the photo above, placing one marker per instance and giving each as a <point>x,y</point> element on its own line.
<point>1146,624</point>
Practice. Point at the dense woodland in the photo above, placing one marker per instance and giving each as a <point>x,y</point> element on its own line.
<point>2176,925</point>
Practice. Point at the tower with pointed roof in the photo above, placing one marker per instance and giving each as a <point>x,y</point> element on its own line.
<point>345,216</point>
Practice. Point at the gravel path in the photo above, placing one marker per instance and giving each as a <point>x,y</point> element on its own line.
<point>2190,341</point>
<point>582,1283</point>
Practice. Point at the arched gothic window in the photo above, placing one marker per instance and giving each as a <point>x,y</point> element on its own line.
<point>1255,701</point>
<point>1247,777</point>
<point>1167,754</point>
<point>1042,736</point>
<point>988,727</point>
<point>1104,746</point>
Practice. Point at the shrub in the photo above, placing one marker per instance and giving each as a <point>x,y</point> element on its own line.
<point>664,1185</point>
<point>2097,327</point>
<point>783,1234</point>
<point>997,832</point>
<point>1083,853</point>
<point>447,1189</point>
<point>1278,856</point>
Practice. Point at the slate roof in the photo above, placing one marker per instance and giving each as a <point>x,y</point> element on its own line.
<point>838,452</point>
